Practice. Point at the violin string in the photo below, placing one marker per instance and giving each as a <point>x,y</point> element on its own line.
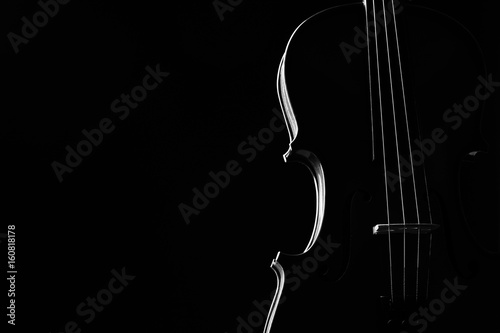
<point>397,152</point>
<point>430,235</point>
<point>428,202</point>
<point>383,143</point>
<point>409,145</point>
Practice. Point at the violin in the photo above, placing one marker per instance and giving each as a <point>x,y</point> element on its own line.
<point>383,100</point>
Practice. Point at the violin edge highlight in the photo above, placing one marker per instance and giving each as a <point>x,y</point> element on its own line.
<point>305,157</point>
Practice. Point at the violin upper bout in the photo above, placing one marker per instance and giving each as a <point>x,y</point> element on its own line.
<point>286,106</point>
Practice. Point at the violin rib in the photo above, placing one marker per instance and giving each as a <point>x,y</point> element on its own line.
<point>305,157</point>
<point>281,87</point>
<point>280,277</point>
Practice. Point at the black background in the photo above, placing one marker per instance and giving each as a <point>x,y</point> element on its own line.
<point>119,207</point>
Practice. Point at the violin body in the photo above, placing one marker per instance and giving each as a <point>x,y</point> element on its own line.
<point>341,105</point>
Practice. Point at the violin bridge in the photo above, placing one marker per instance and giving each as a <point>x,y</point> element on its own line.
<point>398,228</point>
